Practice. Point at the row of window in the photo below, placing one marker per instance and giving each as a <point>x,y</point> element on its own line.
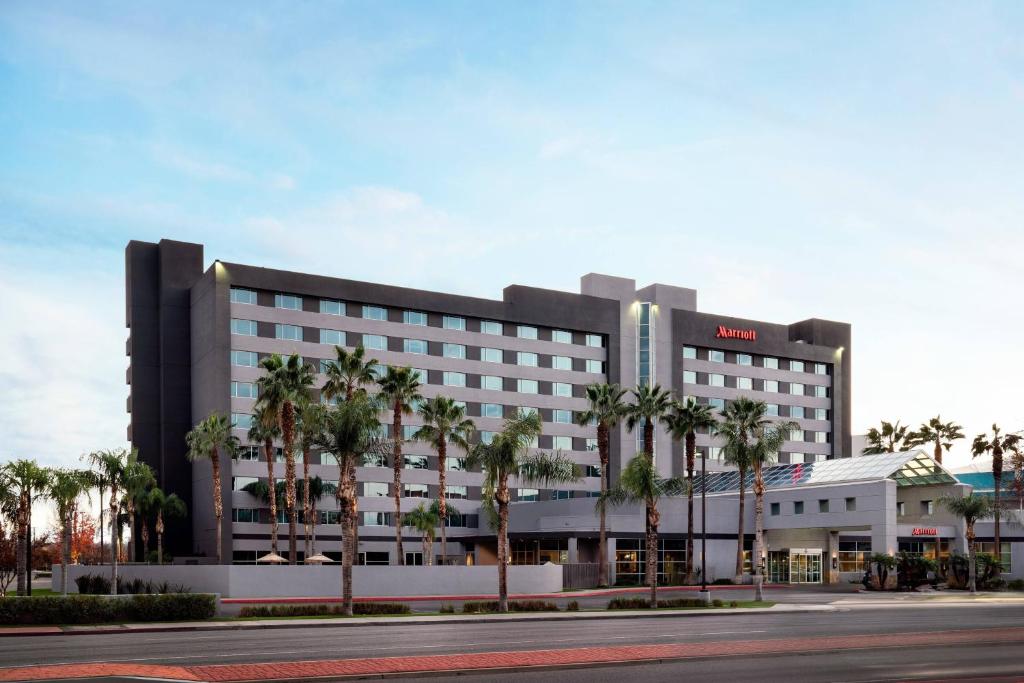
<point>769,362</point>
<point>716,453</point>
<point>824,505</point>
<point>449,322</point>
<point>770,386</point>
<point>772,410</point>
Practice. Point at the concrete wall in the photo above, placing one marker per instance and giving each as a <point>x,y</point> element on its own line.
<point>240,581</point>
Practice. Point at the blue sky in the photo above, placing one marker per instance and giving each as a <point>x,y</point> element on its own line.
<point>854,161</point>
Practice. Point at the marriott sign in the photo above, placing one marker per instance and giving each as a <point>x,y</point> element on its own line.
<point>733,333</point>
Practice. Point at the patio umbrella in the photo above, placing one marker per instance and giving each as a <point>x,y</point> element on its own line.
<point>272,558</point>
<point>318,559</point>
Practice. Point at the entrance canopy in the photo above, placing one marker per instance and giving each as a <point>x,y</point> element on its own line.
<point>909,468</point>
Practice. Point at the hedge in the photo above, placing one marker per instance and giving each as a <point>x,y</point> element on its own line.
<point>99,609</point>
<point>359,608</point>
<point>513,606</point>
<point>93,584</point>
<point>644,603</point>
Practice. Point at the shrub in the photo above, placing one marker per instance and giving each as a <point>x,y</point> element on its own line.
<point>629,603</point>
<point>319,610</point>
<point>573,606</point>
<point>717,603</point>
<point>93,584</point>
<point>513,606</point>
<point>447,609</point>
<point>722,582</point>
<point>733,603</point>
<point>680,602</point>
<point>97,609</point>
<point>1015,585</point>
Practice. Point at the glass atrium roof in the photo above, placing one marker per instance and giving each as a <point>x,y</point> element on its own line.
<point>910,468</point>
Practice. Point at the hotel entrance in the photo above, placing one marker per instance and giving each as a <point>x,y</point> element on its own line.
<point>796,565</point>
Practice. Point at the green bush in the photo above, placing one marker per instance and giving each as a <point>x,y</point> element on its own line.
<point>94,584</point>
<point>447,609</point>
<point>629,603</point>
<point>97,609</point>
<point>320,610</point>
<point>733,603</point>
<point>1015,585</point>
<point>717,603</point>
<point>573,606</point>
<point>722,582</point>
<point>513,606</point>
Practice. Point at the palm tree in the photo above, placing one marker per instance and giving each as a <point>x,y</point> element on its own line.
<point>685,421</point>
<point>285,384</point>
<point>138,477</point>
<point>28,479</point>
<point>309,425</point>
<point>351,430</point>
<point>263,431</point>
<point>109,467</point>
<point>996,445</point>
<point>970,508</point>
<point>260,490</point>
<point>889,439</point>
<point>426,520</point>
<point>738,418</point>
<point>444,422</point>
<point>935,431</point>
<point>399,389</point>
<point>641,483</point>
<point>316,489</point>
<point>65,488</point>
<point>604,408</point>
<point>210,439</point>
<point>166,507</point>
<point>650,405</point>
<point>509,455</point>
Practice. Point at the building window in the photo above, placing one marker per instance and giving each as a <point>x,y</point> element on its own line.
<point>375,489</point>
<point>491,327</point>
<point>644,345</point>
<point>335,337</point>
<point>796,365</point>
<point>455,379</point>
<point>989,548</point>
<point>716,380</point>
<point>744,383</point>
<point>927,508</point>
<point>821,413</point>
<point>375,313</point>
<point>772,409</point>
<point>561,389</point>
<point>248,453</point>
<point>796,411</point>
<point>456,492</point>
<point>332,307</point>
<point>716,356</point>
<point>243,390</point>
<point>823,505</point>
<point>901,509</point>
<point>288,301</point>
<point>851,504</point>
<point>453,322</point>
<point>246,328</point>
<point>241,420</point>
<point>558,494</point>
<point>486,437</point>
<point>716,403</point>
<point>820,392</point>
<point>245,515</point>
<point>527,386</point>
<point>689,353</point>
<point>526,358</point>
<point>242,296</point>
<point>796,389</point>
<point>561,336</point>
<point>595,366</point>
<point>561,416</point>
<point>454,351</point>
<point>715,452</point>
<point>415,462</point>
<point>798,507</point>
<point>244,359</point>
<point>771,386</point>
<point>771,363</point>
<point>595,340</point>
<point>455,464</point>
<point>239,483</point>
<point>689,377</point>
<point>375,342</point>
<point>820,437</point>
<point>744,359</point>
<point>491,355</point>
<point>289,332</point>
<point>491,410</point>
<point>561,443</point>
<point>775,509</point>
<point>415,490</point>
<point>414,318</point>
<point>526,332</point>
<point>376,519</point>
<point>491,383</point>
<point>820,369</point>
<point>561,363</point>
<point>527,494</point>
<point>526,410</point>
<point>591,444</point>
<point>853,555</point>
<point>796,435</point>
<point>414,346</point>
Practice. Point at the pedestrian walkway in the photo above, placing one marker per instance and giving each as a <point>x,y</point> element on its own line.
<point>514,660</point>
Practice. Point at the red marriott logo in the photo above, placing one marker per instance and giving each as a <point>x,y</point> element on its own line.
<point>732,333</point>
<point>925,532</point>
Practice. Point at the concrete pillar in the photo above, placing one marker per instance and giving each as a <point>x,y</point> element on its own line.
<point>832,557</point>
<point>610,559</point>
<point>574,550</point>
<point>883,528</point>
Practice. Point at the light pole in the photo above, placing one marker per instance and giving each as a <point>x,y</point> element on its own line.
<point>705,595</point>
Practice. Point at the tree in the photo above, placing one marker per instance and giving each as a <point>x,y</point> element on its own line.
<point>884,563</point>
<point>641,483</point>
<point>425,520</point>
<point>509,455</point>
<point>684,422</point>
<point>936,432</point>
<point>996,444</point>
<point>605,408</point>
<point>651,403</point>
<point>164,507</point>
<point>285,384</point>
<point>350,431</point>
<point>208,440</point>
<point>309,425</point>
<point>108,467</point>
<point>399,390</point>
<point>260,490</point>
<point>83,536</point>
<point>444,422</point>
<point>8,533</point>
<point>65,488</point>
<point>316,489</point>
<point>738,418</point>
<point>889,439</point>
<point>24,479</point>
<point>971,509</point>
<point>263,431</point>
<point>138,477</point>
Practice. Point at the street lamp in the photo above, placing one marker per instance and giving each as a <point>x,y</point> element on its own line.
<point>705,596</point>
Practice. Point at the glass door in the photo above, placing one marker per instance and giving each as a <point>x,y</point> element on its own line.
<point>805,566</point>
<point>778,566</point>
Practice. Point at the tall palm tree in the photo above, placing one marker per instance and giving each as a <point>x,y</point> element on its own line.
<point>605,408</point>
<point>509,455</point>
<point>351,431</point>
<point>164,507</point>
<point>996,444</point>
<point>109,467</point>
<point>28,480</point>
<point>285,384</point>
<point>889,439</point>
<point>399,390</point>
<point>310,424</point>
<point>425,520</point>
<point>264,430</point>
<point>641,483</point>
<point>260,490</point>
<point>970,508</point>
<point>686,420</point>
<point>444,423</point>
<point>935,431</point>
<point>65,488</point>
<point>650,404</point>
<point>316,489</point>
<point>138,477</point>
<point>208,440</point>
<point>738,418</point>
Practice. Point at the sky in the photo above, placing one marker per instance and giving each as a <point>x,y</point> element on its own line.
<point>851,161</point>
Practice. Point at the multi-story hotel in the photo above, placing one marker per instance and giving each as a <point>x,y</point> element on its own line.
<point>197,336</point>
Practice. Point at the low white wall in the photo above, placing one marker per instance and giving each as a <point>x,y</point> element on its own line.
<point>250,581</point>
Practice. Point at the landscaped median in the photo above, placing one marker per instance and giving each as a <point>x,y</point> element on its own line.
<point>106,609</point>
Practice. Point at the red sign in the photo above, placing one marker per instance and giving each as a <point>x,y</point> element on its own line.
<point>925,532</point>
<point>732,333</point>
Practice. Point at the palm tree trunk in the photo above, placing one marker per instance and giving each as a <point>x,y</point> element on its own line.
<point>427,550</point>
<point>28,546</point>
<point>691,450</point>
<point>349,548</point>
<point>159,536</point>
<point>65,555</point>
<point>19,562</point>
<point>312,527</point>
<point>268,447</point>
<point>739,527</point>
<point>307,507</point>
<point>115,547</point>
<point>145,540</point>
<point>971,569</point>
<point>288,436</point>
<point>502,498</point>
<point>938,451</point>
<point>997,480</point>
<point>132,554</point>
<point>218,507</point>
<point>101,521</point>
<point>652,553</point>
<point>396,457</point>
<point>755,558</point>
<point>602,543</point>
<point>442,503</point>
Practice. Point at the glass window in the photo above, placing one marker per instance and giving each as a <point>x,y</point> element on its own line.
<point>744,383</point>
<point>414,346</point>
<point>820,369</point>
<point>409,431</point>
<point>561,443</point>
<point>375,489</point>
<point>246,328</point>
<point>527,494</point>
<point>455,379</point>
<point>744,359</point>
<point>375,313</point>
<point>901,509</point>
<point>796,411</point>
<point>455,464</point>
<point>561,495</point>
<point>491,382</point>
<point>561,416</point>
<point>336,337</point>
<point>717,403</point>
<point>796,389</point>
<point>242,296</point>
<point>415,462</point>
<point>820,392</point>
<point>456,492</point>
<point>376,519</point>
<point>823,505</point>
<point>415,490</point>
<point>289,332</point>
<point>527,386</point>
<point>421,375</point>
<point>689,377</point>
<point>491,410</point>
<point>454,351</point>
<point>771,386</point>
<point>244,359</point>
<point>595,366</point>
<point>851,504</point>
<point>591,444</point>
<point>414,318</point>
<point>772,409</point>
<point>526,332</point>
<point>527,410</point>
<point>989,548</point>
<point>486,437</point>
<point>561,336</point>
<point>595,340</point>
<point>689,352</point>
<point>491,327</point>
<point>821,413</point>
<point>927,507</point>
<point>371,460</point>
<point>798,507</point>
<point>796,365</point>
<point>716,356</point>
<point>288,301</point>
<point>243,390</point>
<point>526,358</point>
<point>375,342</point>
<point>820,437</point>
<point>796,435</point>
<point>239,483</point>
<point>775,509</point>
<point>326,364</point>
<point>332,307</point>
<point>250,453</point>
<point>561,363</point>
<point>716,380</point>
<point>241,420</point>
<point>491,355</point>
<point>771,363</point>
<point>853,555</point>
<point>245,515</point>
<point>561,389</point>
<point>453,322</point>
<point>715,452</point>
